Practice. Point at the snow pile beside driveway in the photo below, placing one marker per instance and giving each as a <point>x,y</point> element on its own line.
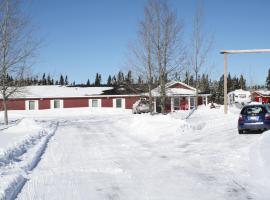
<point>21,147</point>
<point>153,128</point>
<point>260,161</point>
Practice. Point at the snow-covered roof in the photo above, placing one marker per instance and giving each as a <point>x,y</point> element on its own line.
<point>171,83</point>
<point>175,91</point>
<point>239,92</point>
<point>263,92</point>
<point>56,91</point>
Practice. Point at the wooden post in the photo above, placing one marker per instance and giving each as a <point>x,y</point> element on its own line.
<point>225,52</point>
<point>225,85</point>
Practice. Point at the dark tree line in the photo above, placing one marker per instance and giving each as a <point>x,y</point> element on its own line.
<point>43,80</point>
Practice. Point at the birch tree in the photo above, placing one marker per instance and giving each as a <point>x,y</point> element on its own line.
<point>200,46</point>
<point>16,48</point>
<point>160,50</point>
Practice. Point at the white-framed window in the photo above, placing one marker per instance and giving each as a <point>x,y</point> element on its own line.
<point>56,103</point>
<point>119,103</point>
<point>192,102</point>
<point>31,105</point>
<point>94,103</point>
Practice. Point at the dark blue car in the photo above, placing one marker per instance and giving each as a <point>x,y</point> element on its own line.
<point>254,118</point>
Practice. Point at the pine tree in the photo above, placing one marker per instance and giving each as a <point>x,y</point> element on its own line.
<point>88,83</point>
<point>44,81</point>
<point>242,82</point>
<point>191,81</point>
<point>268,80</point>
<point>66,80</point>
<point>220,90</point>
<point>229,83</point>
<point>109,81</point>
<point>186,81</point>
<point>61,81</point>
<point>49,81</point>
<point>114,81</point>
<point>129,79</point>
<point>97,80</point>
<point>140,80</point>
<point>120,77</point>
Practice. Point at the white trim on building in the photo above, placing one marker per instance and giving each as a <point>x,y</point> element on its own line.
<point>123,103</point>
<point>94,103</point>
<point>29,107</point>
<point>52,104</point>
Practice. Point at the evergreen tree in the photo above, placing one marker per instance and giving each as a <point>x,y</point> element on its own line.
<point>114,81</point>
<point>191,81</point>
<point>220,90</point>
<point>44,81</point>
<point>229,83</point>
<point>49,81</point>
<point>268,80</point>
<point>242,82</point>
<point>129,79</point>
<point>140,80</point>
<point>109,81</point>
<point>120,77</point>
<point>66,80</point>
<point>56,82</point>
<point>88,83</point>
<point>61,81</point>
<point>186,81</point>
<point>97,80</point>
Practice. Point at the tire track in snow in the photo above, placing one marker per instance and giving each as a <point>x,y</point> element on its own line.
<point>18,184</point>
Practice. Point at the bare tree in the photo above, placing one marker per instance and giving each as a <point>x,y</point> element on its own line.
<point>16,47</point>
<point>168,44</point>
<point>201,44</point>
<point>160,50</point>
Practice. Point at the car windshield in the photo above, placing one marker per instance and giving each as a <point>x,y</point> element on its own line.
<point>253,111</point>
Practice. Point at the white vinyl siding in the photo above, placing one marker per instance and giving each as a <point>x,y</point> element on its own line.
<point>95,103</point>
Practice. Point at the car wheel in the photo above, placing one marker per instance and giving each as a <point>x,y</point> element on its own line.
<point>240,131</point>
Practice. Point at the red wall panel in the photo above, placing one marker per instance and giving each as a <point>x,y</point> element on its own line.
<point>75,103</point>
<point>44,104</point>
<point>178,85</point>
<point>106,102</point>
<point>130,101</point>
<point>18,104</point>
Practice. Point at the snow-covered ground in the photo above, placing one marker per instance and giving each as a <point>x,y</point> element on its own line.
<point>112,154</point>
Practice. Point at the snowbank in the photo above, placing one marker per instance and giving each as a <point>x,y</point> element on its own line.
<point>21,147</point>
<point>260,159</point>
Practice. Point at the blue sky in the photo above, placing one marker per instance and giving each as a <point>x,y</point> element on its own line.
<point>83,37</point>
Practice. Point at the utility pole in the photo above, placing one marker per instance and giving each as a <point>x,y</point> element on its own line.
<point>225,84</point>
<point>225,52</point>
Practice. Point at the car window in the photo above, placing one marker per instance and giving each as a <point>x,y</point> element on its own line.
<point>254,110</point>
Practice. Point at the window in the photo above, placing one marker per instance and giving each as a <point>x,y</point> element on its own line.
<point>254,111</point>
<point>31,105</point>
<point>118,103</point>
<point>192,102</point>
<point>94,103</point>
<point>56,104</point>
<point>176,103</point>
